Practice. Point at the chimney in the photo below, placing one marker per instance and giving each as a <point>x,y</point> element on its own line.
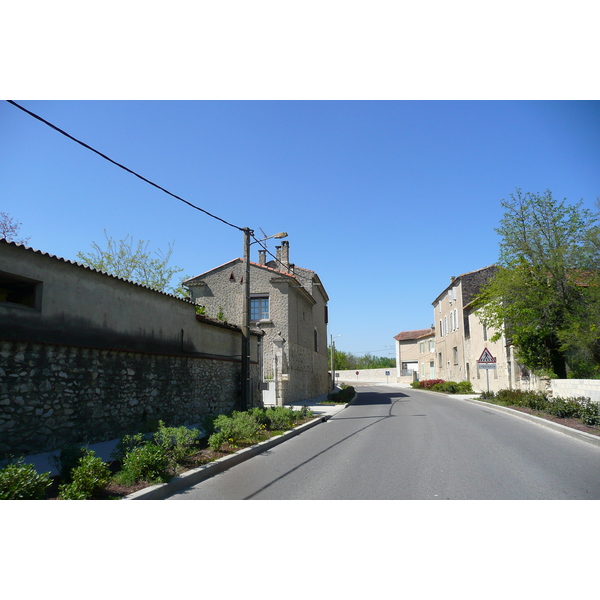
<point>262,257</point>
<point>285,253</point>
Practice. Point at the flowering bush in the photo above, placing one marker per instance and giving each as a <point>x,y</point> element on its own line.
<point>427,384</point>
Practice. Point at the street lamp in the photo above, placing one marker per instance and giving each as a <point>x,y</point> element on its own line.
<point>332,362</point>
<point>246,391</point>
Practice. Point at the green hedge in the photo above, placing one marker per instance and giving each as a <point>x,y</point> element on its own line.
<point>564,408</point>
<point>447,387</point>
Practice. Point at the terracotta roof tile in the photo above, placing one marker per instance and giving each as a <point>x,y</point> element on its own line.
<point>414,335</point>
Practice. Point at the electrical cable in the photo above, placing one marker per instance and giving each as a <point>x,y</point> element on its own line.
<point>114,162</point>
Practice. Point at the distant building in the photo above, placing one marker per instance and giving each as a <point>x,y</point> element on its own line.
<point>289,304</point>
<point>415,354</point>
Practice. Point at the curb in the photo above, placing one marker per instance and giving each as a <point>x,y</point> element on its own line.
<point>574,433</point>
<point>189,478</point>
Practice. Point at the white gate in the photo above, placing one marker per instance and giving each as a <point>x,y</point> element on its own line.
<point>269,395</point>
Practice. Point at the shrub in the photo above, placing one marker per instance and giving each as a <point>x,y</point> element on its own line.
<point>280,417</point>
<point>89,478</point>
<point>448,387</point>
<point>67,459</point>
<point>128,443</point>
<point>465,387</point>
<point>427,384</point>
<point>589,412</point>
<point>260,414</point>
<point>178,442</point>
<point>20,481</point>
<point>529,399</point>
<point>344,396</point>
<point>563,408</point>
<point>216,440</point>
<point>239,428</point>
<point>148,462</point>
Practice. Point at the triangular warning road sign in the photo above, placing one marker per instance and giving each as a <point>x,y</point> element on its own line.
<point>486,357</point>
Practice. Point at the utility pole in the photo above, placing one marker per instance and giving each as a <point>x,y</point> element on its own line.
<point>246,395</point>
<point>332,349</point>
<point>246,398</point>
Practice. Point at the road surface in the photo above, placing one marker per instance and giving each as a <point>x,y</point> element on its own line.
<point>405,444</point>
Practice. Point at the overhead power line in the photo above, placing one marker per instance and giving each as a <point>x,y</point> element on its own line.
<point>114,162</point>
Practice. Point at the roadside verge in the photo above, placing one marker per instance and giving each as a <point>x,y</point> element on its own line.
<point>189,478</point>
<point>574,433</point>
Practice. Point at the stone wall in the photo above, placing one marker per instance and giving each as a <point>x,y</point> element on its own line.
<point>366,375</point>
<point>576,388</point>
<point>52,395</point>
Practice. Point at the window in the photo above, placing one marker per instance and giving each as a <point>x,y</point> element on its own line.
<point>316,340</point>
<point>431,345</point>
<point>455,354</point>
<point>456,318</point>
<point>16,290</point>
<point>422,347</point>
<point>259,308</point>
<point>452,328</point>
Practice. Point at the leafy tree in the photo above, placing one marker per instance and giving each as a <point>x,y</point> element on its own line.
<point>545,291</point>
<point>133,261</point>
<point>343,361</point>
<point>9,229</point>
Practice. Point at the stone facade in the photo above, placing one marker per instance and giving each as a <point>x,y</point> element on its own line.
<point>86,357</point>
<point>506,372</point>
<point>53,395</point>
<point>454,359</point>
<point>295,360</point>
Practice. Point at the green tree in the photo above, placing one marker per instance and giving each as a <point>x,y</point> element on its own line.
<point>344,361</point>
<point>133,261</point>
<point>544,294</point>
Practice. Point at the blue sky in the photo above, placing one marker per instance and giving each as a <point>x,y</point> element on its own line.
<point>383,194</point>
<point>385,200</point>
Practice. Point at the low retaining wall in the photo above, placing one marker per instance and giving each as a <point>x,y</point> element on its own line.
<point>575,388</point>
<point>52,395</point>
<point>367,375</point>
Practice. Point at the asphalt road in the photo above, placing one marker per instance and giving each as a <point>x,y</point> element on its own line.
<point>399,443</point>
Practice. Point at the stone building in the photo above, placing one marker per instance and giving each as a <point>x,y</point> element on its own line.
<point>288,304</point>
<point>455,360</point>
<point>415,355</point>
